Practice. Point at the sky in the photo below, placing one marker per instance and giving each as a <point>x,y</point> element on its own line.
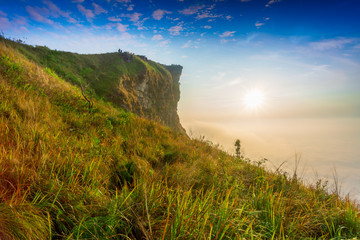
<point>302,56</point>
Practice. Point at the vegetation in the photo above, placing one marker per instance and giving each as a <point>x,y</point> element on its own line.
<point>117,77</point>
<point>70,172</point>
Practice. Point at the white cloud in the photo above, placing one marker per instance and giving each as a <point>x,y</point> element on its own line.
<point>172,19</point>
<point>192,9</point>
<point>206,13</point>
<point>4,21</point>
<point>114,19</point>
<point>175,30</point>
<point>78,1</point>
<point>157,37</point>
<point>127,36</point>
<point>228,34</point>
<point>2,14</point>
<point>259,24</point>
<point>98,9</point>
<point>124,1</point>
<point>135,17</point>
<point>90,42</point>
<point>110,26</point>
<point>191,44</point>
<point>24,29</point>
<point>121,27</point>
<point>159,14</point>
<point>87,12</point>
<point>140,24</point>
<point>56,12</point>
<point>320,67</point>
<point>164,43</point>
<point>131,7</point>
<point>187,44</point>
<point>331,44</point>
<point>38,14</point>
<point>272,2</point>
<point>207,27</point>
<point>20,21</point>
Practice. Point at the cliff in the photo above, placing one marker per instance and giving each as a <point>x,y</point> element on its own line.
<point>132,82</point>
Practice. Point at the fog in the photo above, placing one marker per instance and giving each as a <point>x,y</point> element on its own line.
<point>325,147</point>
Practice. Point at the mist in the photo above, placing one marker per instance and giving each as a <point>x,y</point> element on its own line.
<point>326,148</point>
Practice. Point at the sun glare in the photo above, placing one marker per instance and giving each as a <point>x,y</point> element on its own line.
<point>254,99</point>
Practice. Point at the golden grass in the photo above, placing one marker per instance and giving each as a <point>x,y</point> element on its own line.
<point>67,173</point>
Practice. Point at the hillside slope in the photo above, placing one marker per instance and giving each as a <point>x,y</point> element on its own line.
<point>67,172</point>
<point>131,82</point>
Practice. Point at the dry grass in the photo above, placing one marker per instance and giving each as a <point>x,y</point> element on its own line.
<point>67,173</point>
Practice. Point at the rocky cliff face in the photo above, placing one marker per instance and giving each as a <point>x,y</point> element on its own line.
<point>152,95</point>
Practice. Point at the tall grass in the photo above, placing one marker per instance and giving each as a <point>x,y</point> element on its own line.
<point>67,173</point>
<point>112,77</point>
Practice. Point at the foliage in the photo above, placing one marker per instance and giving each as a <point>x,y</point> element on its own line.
<point>238,151</point>
<point>67,173</point>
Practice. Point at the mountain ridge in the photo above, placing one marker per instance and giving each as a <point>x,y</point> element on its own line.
<point>133,82</point>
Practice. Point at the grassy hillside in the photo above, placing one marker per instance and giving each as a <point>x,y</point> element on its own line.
<point>70,173</point>
<point>132,82</point>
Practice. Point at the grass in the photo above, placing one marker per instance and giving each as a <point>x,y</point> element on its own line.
<point>112,77</point>
<point>70,173</point>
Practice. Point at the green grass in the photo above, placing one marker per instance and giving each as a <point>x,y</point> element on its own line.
<point>112,77</point>
<point>70,173</point>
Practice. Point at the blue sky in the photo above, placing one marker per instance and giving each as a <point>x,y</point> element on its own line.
<point>304,55</point>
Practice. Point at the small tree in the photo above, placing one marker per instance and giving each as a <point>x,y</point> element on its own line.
<point>238,152</point>
<point>87,98</point>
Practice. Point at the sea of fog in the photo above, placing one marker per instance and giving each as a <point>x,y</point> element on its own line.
<point>325,148</point>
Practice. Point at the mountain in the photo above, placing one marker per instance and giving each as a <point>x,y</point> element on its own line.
<point>75,164</point>
<point>132,82</point>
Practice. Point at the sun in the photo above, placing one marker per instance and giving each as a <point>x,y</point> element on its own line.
<point>254,99</point>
